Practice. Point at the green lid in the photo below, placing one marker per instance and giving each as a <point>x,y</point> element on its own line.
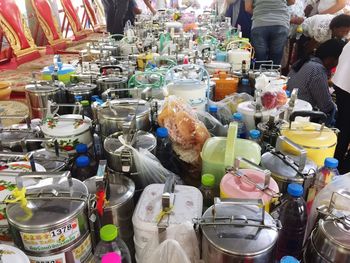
<point>208,180</point>
<point>109,233</point>
<point>85,103</point>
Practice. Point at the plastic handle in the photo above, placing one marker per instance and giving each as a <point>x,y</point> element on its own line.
<point>302,151</point>
<point>230,145</point>
<point>318,115</point>
<point>43,175</point>
<point>111,67</point>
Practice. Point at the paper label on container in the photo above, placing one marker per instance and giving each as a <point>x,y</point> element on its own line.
<point>59,237</point>
<point>60,258</point>
<point>82,252</point>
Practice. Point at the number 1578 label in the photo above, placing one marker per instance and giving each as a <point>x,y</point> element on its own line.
<point>56,238</point>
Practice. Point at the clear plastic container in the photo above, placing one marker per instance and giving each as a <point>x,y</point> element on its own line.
<point>208,190</point>
<point>293,217</point>
<point>238,117</point>
<point>110,242</point>
<point>324,176</point>
<point>82,169</point>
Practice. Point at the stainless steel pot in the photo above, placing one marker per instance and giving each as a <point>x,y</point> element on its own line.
<point>238,231</point>
<point>81,89</point>
<point>115,113</point>
<point>55,217</point>
<point>112,81</point>
<point>50,161</point>
<point>288,169</point>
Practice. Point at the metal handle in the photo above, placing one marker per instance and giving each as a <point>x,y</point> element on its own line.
<point>264,62</point>
<point>54,140</point>
<point>302,151</point>
<point>320,116</point>
<point>43,175</point>
<point>25,117</point>
<point>26,157</point>
<point>111,67</point>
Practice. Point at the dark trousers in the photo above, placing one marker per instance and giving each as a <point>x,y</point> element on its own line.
<point>343,124</point>
<point>115,12</point>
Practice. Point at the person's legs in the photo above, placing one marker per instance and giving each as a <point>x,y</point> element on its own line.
<point>120,8</point>
<point>109,12</point>
<point>343,124</point>
<point>278,36</point>
<point>259,38</point>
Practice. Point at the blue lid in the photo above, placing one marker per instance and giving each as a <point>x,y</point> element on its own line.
<point>237,116</point>
<point>295,190</point>
<point>289,259</point>
<point>288,93</point>
<point>213,108</point>
<point>331,162</point>
<point>162,132</point>
<point>81,148</point>
<point>245,81</point>
<point>95,97</point>
<point>78,98</point>
<point>254,134</point>
<point>62,69</point>
<point>82,161</point>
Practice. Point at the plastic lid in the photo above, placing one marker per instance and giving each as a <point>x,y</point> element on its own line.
<point>162,132</point>
<point>109,233</point>
<point>81,148</point>
<point>112,257</point>
<point>213,108</point>
<point>331,162</point>
<point>82,161</point>
<point>237,116</point>
<point>95,97</point>
<point>289,259</point>
<point>208,180</point>
<point>254,134</point>
<point>245,81</point>
<point>295,190</point>
<point>85,103</point>
<point>78,98</point>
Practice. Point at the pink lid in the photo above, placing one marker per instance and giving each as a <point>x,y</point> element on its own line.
<point>111,258</point>
<point>236,187</point>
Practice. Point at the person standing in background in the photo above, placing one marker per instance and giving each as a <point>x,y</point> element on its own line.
<point>235,9</point>
<point>341,81</point>
<point>270,27</point>
<point>115,11</point>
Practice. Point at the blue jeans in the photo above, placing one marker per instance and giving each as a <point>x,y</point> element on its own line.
<point>268,42</point>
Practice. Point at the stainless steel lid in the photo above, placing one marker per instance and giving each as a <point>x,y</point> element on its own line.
<point>123,109</point>
<point>230,233</point>
<point>48,211</point>
<point>10,138</point>
<point>282,170</point>
<point>112,79</point>
<point>81,88</point>
<point>144,140</point>
<point>50,161</point>
<point>43,88</point>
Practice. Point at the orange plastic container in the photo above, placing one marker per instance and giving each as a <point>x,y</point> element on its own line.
<point>225,85</point>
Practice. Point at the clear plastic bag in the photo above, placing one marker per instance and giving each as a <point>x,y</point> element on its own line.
<point>180,245</point>
<point>215,127</point>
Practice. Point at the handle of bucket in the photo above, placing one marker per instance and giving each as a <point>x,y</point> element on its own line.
<point>230,144</point>
<point>301,150</point>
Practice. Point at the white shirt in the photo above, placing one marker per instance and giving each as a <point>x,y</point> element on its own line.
<point>341,77</point>
<point>324,5</point>
<point>317,27</point>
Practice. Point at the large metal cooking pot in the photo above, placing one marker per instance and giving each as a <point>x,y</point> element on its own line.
<point>330,240</point>
<point>237,231</point>
<point>318,141</point>
<point>288,169</point>
<point>38,95</point>
<point>55,221</point>
<point>112,81</point>
<point>113,114</point>
<point>81,89</point>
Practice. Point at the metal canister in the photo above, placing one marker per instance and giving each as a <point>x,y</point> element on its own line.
<point>81,89</point>
<point>54,224</point>
<point>238,231</point>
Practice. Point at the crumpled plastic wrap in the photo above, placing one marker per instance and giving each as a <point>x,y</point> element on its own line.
<point>186,131</point>
<point>180,245</point>
<point>214,126</point>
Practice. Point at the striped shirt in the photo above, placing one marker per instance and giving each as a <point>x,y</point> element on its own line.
<point>312,84</point>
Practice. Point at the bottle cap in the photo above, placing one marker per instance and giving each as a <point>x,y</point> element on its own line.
<point>245,81</point>
<point>237,116</point>
<point>208,180</point>
<point>82,161</point>
<point>331,162</point>
<point>111,257</point>
<point>78,98</point>
<point>295,190</point>
<point>109,233</point>
<point>95,97</point>
<point>288,93</point>
<point>289,259</point>
<point>81,148</point>
<point>85,103</point>
<point>162,132</point>
<point>254,134</point>
<point>213,108</point>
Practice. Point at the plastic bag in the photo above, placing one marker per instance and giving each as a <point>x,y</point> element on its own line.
<point>185,250</point>
<point>215,127</point>
<point>186,131</point>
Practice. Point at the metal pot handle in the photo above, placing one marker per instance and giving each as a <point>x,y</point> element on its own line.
<point>25,117</point>
<point>302,151</point>
<point>43,175</point>
<point>27,157</point>
<point>318,115</point>
<point>111,67</point>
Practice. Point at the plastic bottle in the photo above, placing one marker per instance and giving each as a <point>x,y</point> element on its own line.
<point>244,86</point>
<point>111,242</point>
<point>213,111</point>
<point>87,109</point>
<point>293,217</point>
<point>254,135</point>
<point>289,259</point>
<point>208,190</point>
<point>83,150</point>
<point>324,176</point>
<point>238,117</point>
<point>111,257</point>
<point>82,169</point>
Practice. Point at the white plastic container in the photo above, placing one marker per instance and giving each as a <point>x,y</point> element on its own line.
<point>237,56</point>
<point>186,202</point>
